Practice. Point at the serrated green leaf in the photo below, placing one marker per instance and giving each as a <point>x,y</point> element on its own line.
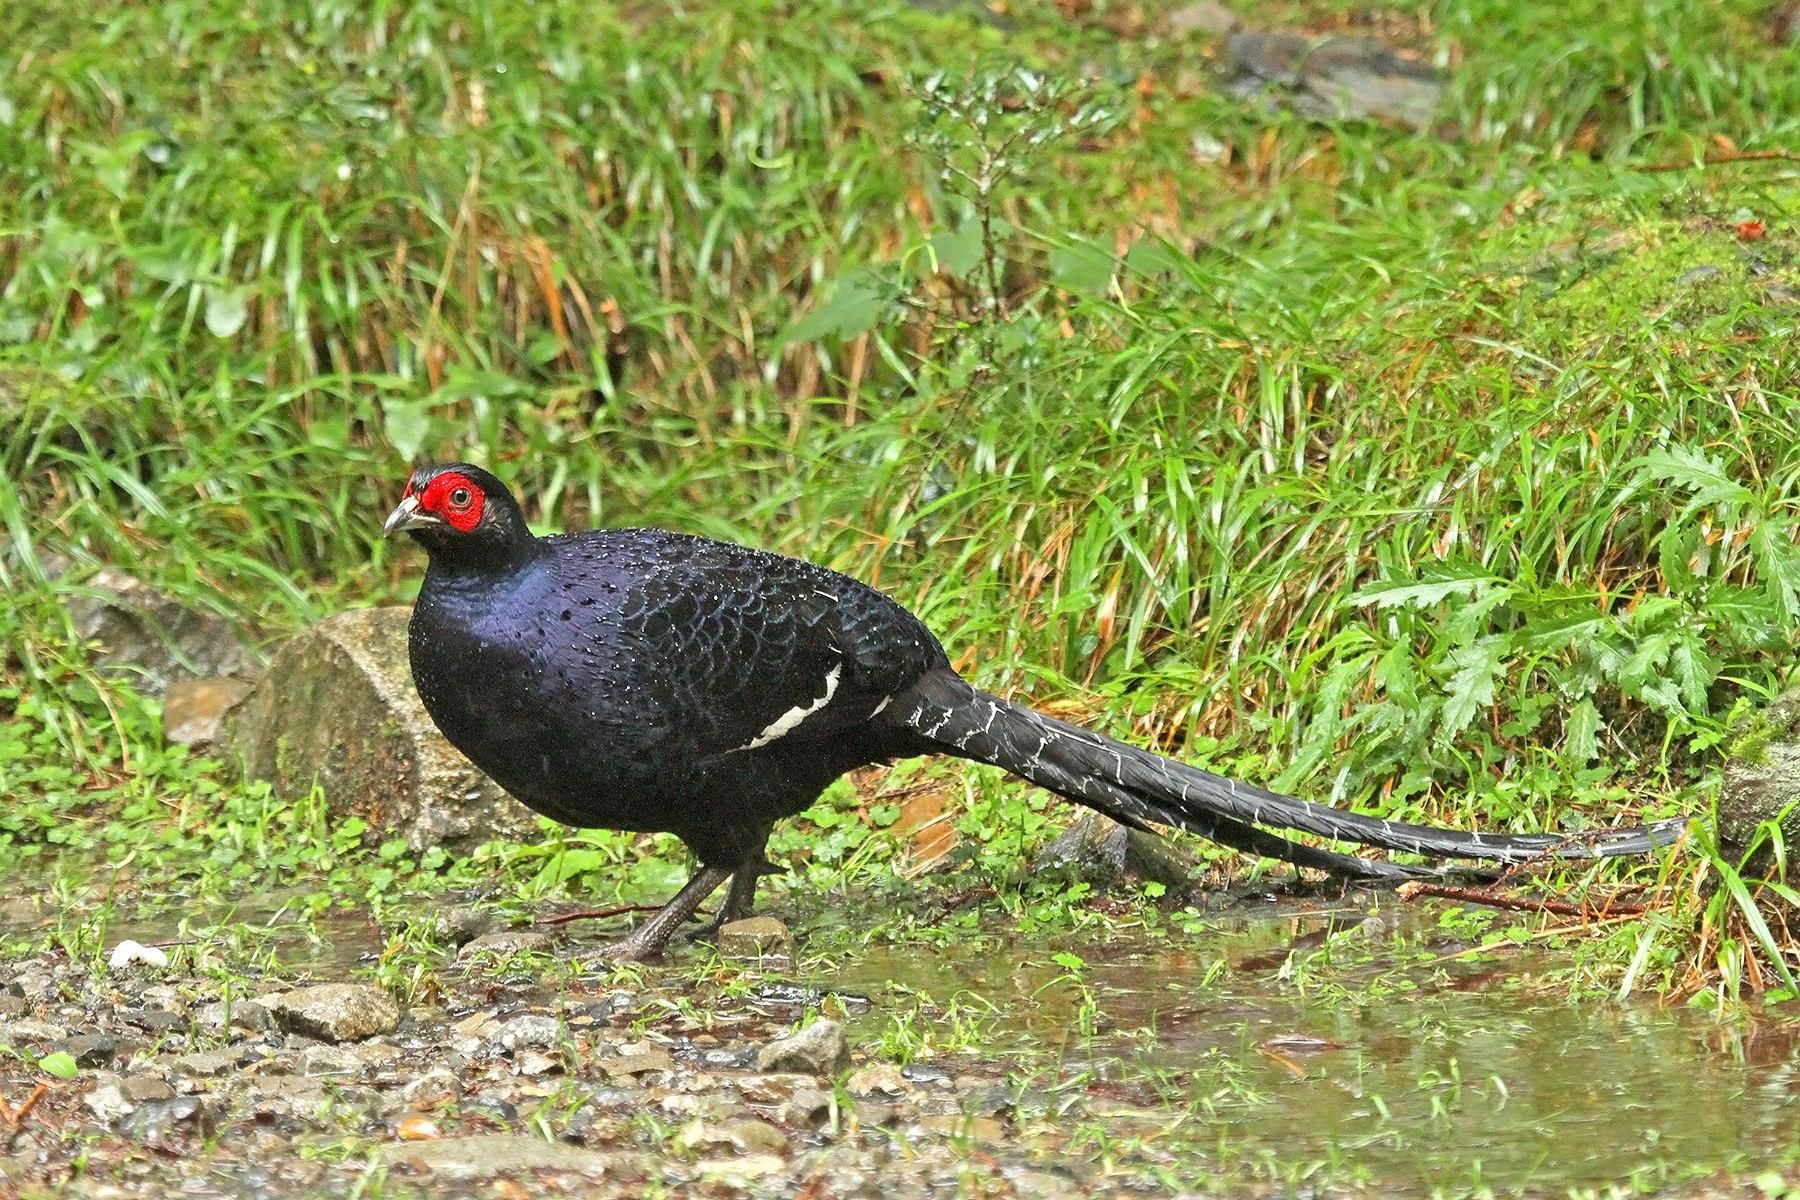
<point>1418,593</point>
<point>1581,732</point>
<point>1778,566</point>
<point>1471,687</point>
<point>1696,471</point>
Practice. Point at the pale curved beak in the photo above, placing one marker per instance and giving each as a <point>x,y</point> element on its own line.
<point>408,516</point>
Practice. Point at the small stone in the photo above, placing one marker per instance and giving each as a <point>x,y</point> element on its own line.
<point>431,1089</point>
<point>506,943</point>
<point>819,1049</point>
<point>748,1136</point>
<point>637,1064</point>
<point>1204,16</point>
<point>486,1156</point>
<point>91,1050</point>
<point>533,1063</point>
<point>756,937</point>
<point>29,1030</point>
<point>461,924</point>
<point>107,1101</point>
<point>1696,275</point>
<point>530,1031</point>
<point>127,954</point>
<point>336,1012</point>
<point>771,1089</point>
<point>205,1062</point>
<point>807,1108</point>
<point>193,708</point>
<point>876,1079</point>
<point>344,1060</point>
<point>220,1017</point>
<point>142,1089</point>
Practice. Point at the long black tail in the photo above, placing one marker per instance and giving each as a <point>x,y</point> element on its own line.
<point>1137,787</point>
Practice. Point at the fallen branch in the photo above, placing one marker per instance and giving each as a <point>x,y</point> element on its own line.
<point>596,914</point>
<point>1720,159</point>
<point>1559,908</point>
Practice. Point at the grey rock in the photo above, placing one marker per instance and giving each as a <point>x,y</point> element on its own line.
<point>91,1049</point>
<point>28,1030</point>
<point>1204,16</point>
<point>507,943</point>
<point>747,1136</point>
<point>1762,784</point>
<point>134,630</point>
<point>205,1062</point>
<point>1697,274</point>
<point>337,705</point>
<point>756,937</point>
<point>461,924</point>
<point>819,1049</point>
<point>433,1087</point>
<point>807,1108</point>
<point>153,1120</point>
<point>142,1089</point>
<point>107,1100</point>
<point>644,1063</point>
<point>1341,78</point>
<point>220,1017</point>
<point>520,1032</point>
<point>487,1156</point>
<point>878,1080</point>
<point>193,708</point>
<point>336,1012</point>
<point>1106,853</point>
<point>344,1060</point>
<point>772,1089</point>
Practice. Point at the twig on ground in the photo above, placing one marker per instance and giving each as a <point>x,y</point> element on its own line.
<point>596,914</point>
<point>1559,908</point>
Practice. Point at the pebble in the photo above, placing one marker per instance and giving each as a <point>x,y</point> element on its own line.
<point>336,1012</point>
<point>818,1049</point>
<point>756,937</point>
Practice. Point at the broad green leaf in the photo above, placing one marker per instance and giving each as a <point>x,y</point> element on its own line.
<point>408,425</point>
<point>1778,565</point>
<point>957,252</point>
<point>60,1064</point>
<point>1082,268</point>
<point>853,309</point>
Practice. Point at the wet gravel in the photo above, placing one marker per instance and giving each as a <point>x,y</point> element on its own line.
<point>201,1084</point>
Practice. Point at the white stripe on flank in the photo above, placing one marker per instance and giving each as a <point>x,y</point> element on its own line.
<point>790,720</point>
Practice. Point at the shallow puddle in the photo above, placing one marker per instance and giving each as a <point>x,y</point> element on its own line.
<point>1399,1064</point>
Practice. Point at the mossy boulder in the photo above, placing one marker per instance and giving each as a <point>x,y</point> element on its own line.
<point>337,707</point>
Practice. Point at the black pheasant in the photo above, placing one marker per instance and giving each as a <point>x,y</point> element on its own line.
<point>641,680</point>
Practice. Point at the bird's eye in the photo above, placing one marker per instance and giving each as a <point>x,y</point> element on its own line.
<point>460,498</point>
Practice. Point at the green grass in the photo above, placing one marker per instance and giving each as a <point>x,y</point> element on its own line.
<point>1410,470</point>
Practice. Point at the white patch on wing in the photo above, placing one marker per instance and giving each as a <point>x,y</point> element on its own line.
<point>790,720</point>
<point>881,706</point>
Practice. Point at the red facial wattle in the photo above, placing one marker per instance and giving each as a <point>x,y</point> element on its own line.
<point>452,497</point>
